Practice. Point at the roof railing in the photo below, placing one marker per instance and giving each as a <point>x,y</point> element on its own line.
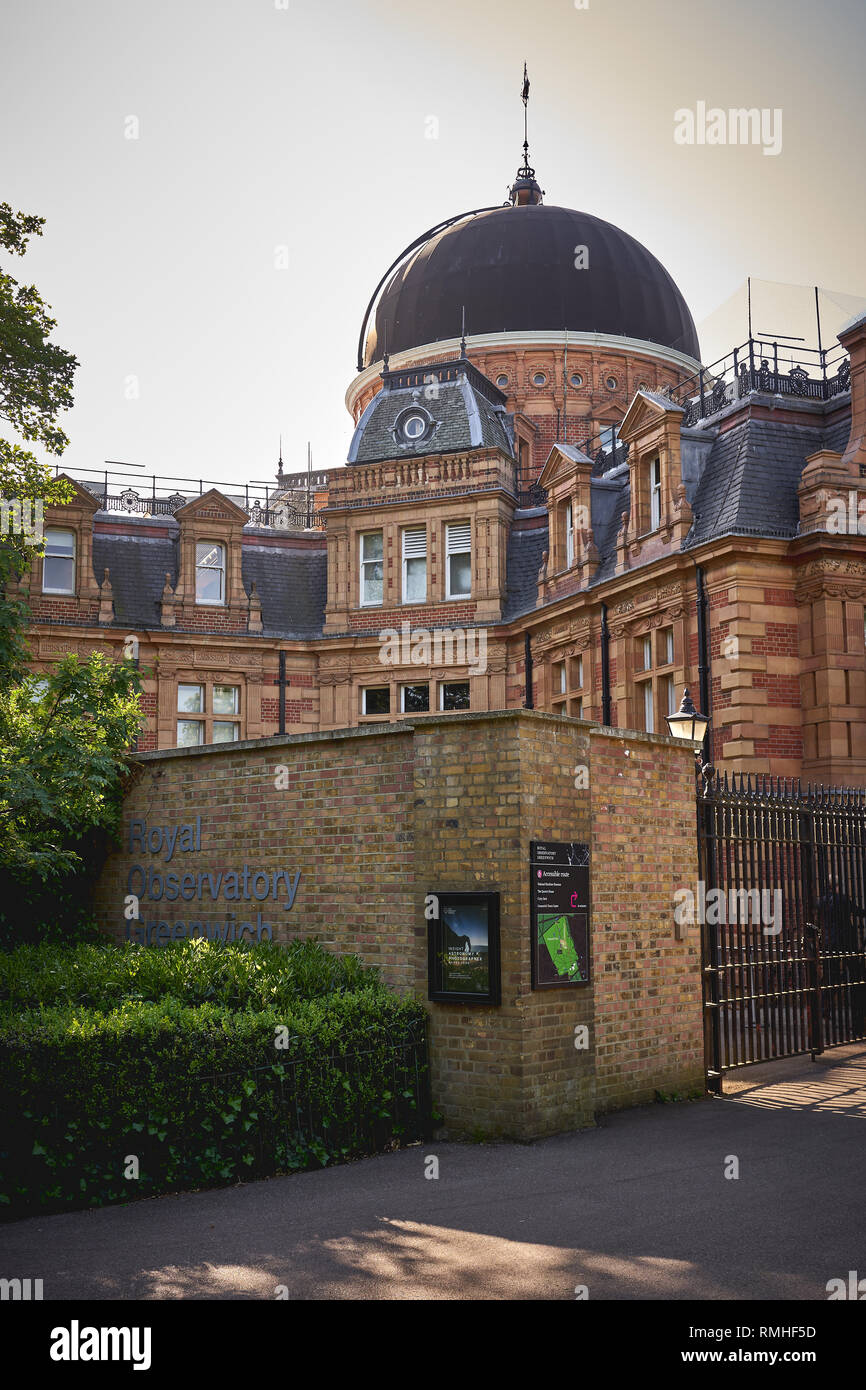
<point>126,491</point>
<point>768,366</point>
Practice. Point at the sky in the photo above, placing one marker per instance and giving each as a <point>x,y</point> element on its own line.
<point>225,181</point>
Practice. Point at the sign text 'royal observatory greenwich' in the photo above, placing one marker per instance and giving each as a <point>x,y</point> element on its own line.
<point>151,882</point>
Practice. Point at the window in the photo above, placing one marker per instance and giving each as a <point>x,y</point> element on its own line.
<point>611,383</point>
<point>372,556</point>
<point>646,653</point>
<point>189,732</point>
<point>576,379</point>
<point>655,494</point>
<point>539,379</point>
<point>415,699</point>
<point>210,572</point>
<point>225,699</point>
<point>376,699</point>
<point>454,695</point>
<point>190,699</point>
<point>669,695</point>
<point>569,534</point>
<point>458,561</point>
<point>567,682</point>
<point>58,566</point>
<point>666,647</point>
<point>648,720</point>
<point>210,714</point>
<point>415,565</point>
<point>414,426</point>
<point>502,382</point>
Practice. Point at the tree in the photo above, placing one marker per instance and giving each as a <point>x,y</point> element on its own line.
<point>64,738</point>
<point>35,385</point>
<point>64,744</point>
<point>35,375</point>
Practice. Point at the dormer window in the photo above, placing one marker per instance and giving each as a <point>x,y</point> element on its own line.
<point>58,565</point>
<point>210,572</point>
<point>414,426</point>
<point>569,534</point>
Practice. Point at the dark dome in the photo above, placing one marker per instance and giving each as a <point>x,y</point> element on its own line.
<point>513,268</point>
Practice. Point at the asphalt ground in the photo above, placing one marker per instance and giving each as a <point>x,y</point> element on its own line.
<point>638,1208</point>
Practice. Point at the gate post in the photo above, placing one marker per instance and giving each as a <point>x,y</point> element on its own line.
<point>709,941</point>
<point>812,933</point>
<point>812,941</point>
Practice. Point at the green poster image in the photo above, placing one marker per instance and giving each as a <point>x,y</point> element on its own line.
<point>560,908</point>
<point>554,934</point>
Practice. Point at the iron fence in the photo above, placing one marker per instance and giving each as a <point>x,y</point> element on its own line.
<point>215,1126</point>
<point>784,925</point>
<point>288,505</point>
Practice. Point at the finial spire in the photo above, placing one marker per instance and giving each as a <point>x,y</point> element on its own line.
<point>525,191</point>
<point>280,460</point>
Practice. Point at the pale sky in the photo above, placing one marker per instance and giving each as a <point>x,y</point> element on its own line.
<point>304,127</point>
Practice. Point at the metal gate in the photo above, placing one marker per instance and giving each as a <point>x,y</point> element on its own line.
<point>783,912</point>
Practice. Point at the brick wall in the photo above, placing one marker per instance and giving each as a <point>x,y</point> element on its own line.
<point>376,818</point>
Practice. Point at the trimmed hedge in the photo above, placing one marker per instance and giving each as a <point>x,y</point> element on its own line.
<point>195,1089</point>
<point>241,975</point>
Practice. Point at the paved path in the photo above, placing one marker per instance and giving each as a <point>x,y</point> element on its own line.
<point>638,1208</point>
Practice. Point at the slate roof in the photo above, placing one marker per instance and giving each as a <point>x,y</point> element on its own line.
<point>291,583</point>
<point>610,496</point>
<point>292,586</point>
<point>137,568</point>
<point>523,561</point>
<point>465,413</point>
<point>747,485</point>
<point>749,482</point>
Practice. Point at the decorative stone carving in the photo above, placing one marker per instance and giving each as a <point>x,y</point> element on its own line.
<point>106,600</point>
<point>168,604</point>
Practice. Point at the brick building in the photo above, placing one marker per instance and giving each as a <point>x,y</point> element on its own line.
<point>547,502</point>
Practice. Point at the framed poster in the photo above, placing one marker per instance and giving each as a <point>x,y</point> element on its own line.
<point>559,898</point>
<point>463,948</point>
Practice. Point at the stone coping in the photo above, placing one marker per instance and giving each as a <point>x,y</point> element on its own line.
<point>408,726</point>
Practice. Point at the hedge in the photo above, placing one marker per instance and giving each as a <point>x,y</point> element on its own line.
<point>241,975</point>
<point>192,1094</point>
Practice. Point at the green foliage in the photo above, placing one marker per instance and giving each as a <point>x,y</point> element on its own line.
<point>35,374</point>
<point>25,480</point>
<point>35,386</point>
<point>240,976</point>
<point>64,745</point>
<point>198,1092</point>
<point>674,1097</point>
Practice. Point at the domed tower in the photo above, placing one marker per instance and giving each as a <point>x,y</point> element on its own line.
<point>566,313</point>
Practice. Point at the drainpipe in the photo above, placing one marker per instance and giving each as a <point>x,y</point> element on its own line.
<point>605,667</point>
<point>703,657</point>
<point>528,702</point>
